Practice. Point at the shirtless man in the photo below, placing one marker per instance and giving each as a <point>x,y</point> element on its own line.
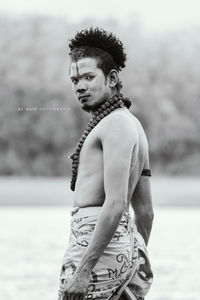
<point>109,161</point>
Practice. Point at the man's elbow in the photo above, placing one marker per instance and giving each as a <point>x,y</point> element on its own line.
<point>146,216</point>
<point>110,205</point>
<point>151,217</point>
<point>150,214</point>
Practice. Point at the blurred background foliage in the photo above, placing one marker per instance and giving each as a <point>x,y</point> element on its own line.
<point>162,78</point>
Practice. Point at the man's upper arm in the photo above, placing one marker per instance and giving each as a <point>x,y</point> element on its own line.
<point>118,140</point>
<point>142,199</point>
<point>142,206</point>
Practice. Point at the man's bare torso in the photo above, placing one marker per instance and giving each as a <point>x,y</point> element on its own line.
<point>90,181</point>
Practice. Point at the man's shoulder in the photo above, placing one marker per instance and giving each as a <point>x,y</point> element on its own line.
<point>119,122</point>
<point>117,115</point>
<point>120,119</point>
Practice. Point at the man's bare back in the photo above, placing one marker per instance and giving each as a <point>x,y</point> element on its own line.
<point>90,181</point>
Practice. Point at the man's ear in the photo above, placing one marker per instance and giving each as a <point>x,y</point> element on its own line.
<point>113,78</point>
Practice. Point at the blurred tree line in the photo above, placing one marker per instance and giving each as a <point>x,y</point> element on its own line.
<point>40,119</point>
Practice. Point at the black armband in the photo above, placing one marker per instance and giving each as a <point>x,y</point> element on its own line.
<point>146,172</point>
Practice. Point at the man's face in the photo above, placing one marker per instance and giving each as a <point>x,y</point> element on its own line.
<point>89,83</point>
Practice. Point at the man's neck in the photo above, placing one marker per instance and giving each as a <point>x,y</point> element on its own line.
<point>106,99</point>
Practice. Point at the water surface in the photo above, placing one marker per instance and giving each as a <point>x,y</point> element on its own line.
<point>33,240</point>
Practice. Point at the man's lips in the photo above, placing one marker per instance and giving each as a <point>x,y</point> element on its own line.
<point>83,98</point>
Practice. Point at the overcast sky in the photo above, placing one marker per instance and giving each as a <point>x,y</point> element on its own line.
<point>154,14</point>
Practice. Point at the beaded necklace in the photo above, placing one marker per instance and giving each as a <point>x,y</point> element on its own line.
<point>104,109</point>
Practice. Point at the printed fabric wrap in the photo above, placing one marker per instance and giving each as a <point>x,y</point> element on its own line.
<point>117,270</point>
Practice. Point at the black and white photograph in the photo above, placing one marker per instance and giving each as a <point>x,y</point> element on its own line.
<point>99,150</point>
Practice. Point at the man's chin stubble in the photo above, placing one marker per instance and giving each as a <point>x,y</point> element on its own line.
<point>86,108</point>
<point>89,108</point>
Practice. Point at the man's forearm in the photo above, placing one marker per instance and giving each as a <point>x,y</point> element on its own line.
<point>144,225</point>
<point>107,223</point>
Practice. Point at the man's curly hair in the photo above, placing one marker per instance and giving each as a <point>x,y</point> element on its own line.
<point>104,46</point>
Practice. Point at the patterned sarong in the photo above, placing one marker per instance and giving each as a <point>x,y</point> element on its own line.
<point>117,270</point>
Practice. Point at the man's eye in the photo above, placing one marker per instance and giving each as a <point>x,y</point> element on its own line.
<point>89,77</point>
<point>74,81</point>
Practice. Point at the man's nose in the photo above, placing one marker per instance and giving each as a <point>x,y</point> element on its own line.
<point>81,87</point>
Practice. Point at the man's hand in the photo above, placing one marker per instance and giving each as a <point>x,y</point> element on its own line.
<point>145,267</point>
<point>77,287</point>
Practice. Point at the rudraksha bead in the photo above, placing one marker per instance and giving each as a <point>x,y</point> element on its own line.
<point>98,118</point>
<point>100,110</point>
